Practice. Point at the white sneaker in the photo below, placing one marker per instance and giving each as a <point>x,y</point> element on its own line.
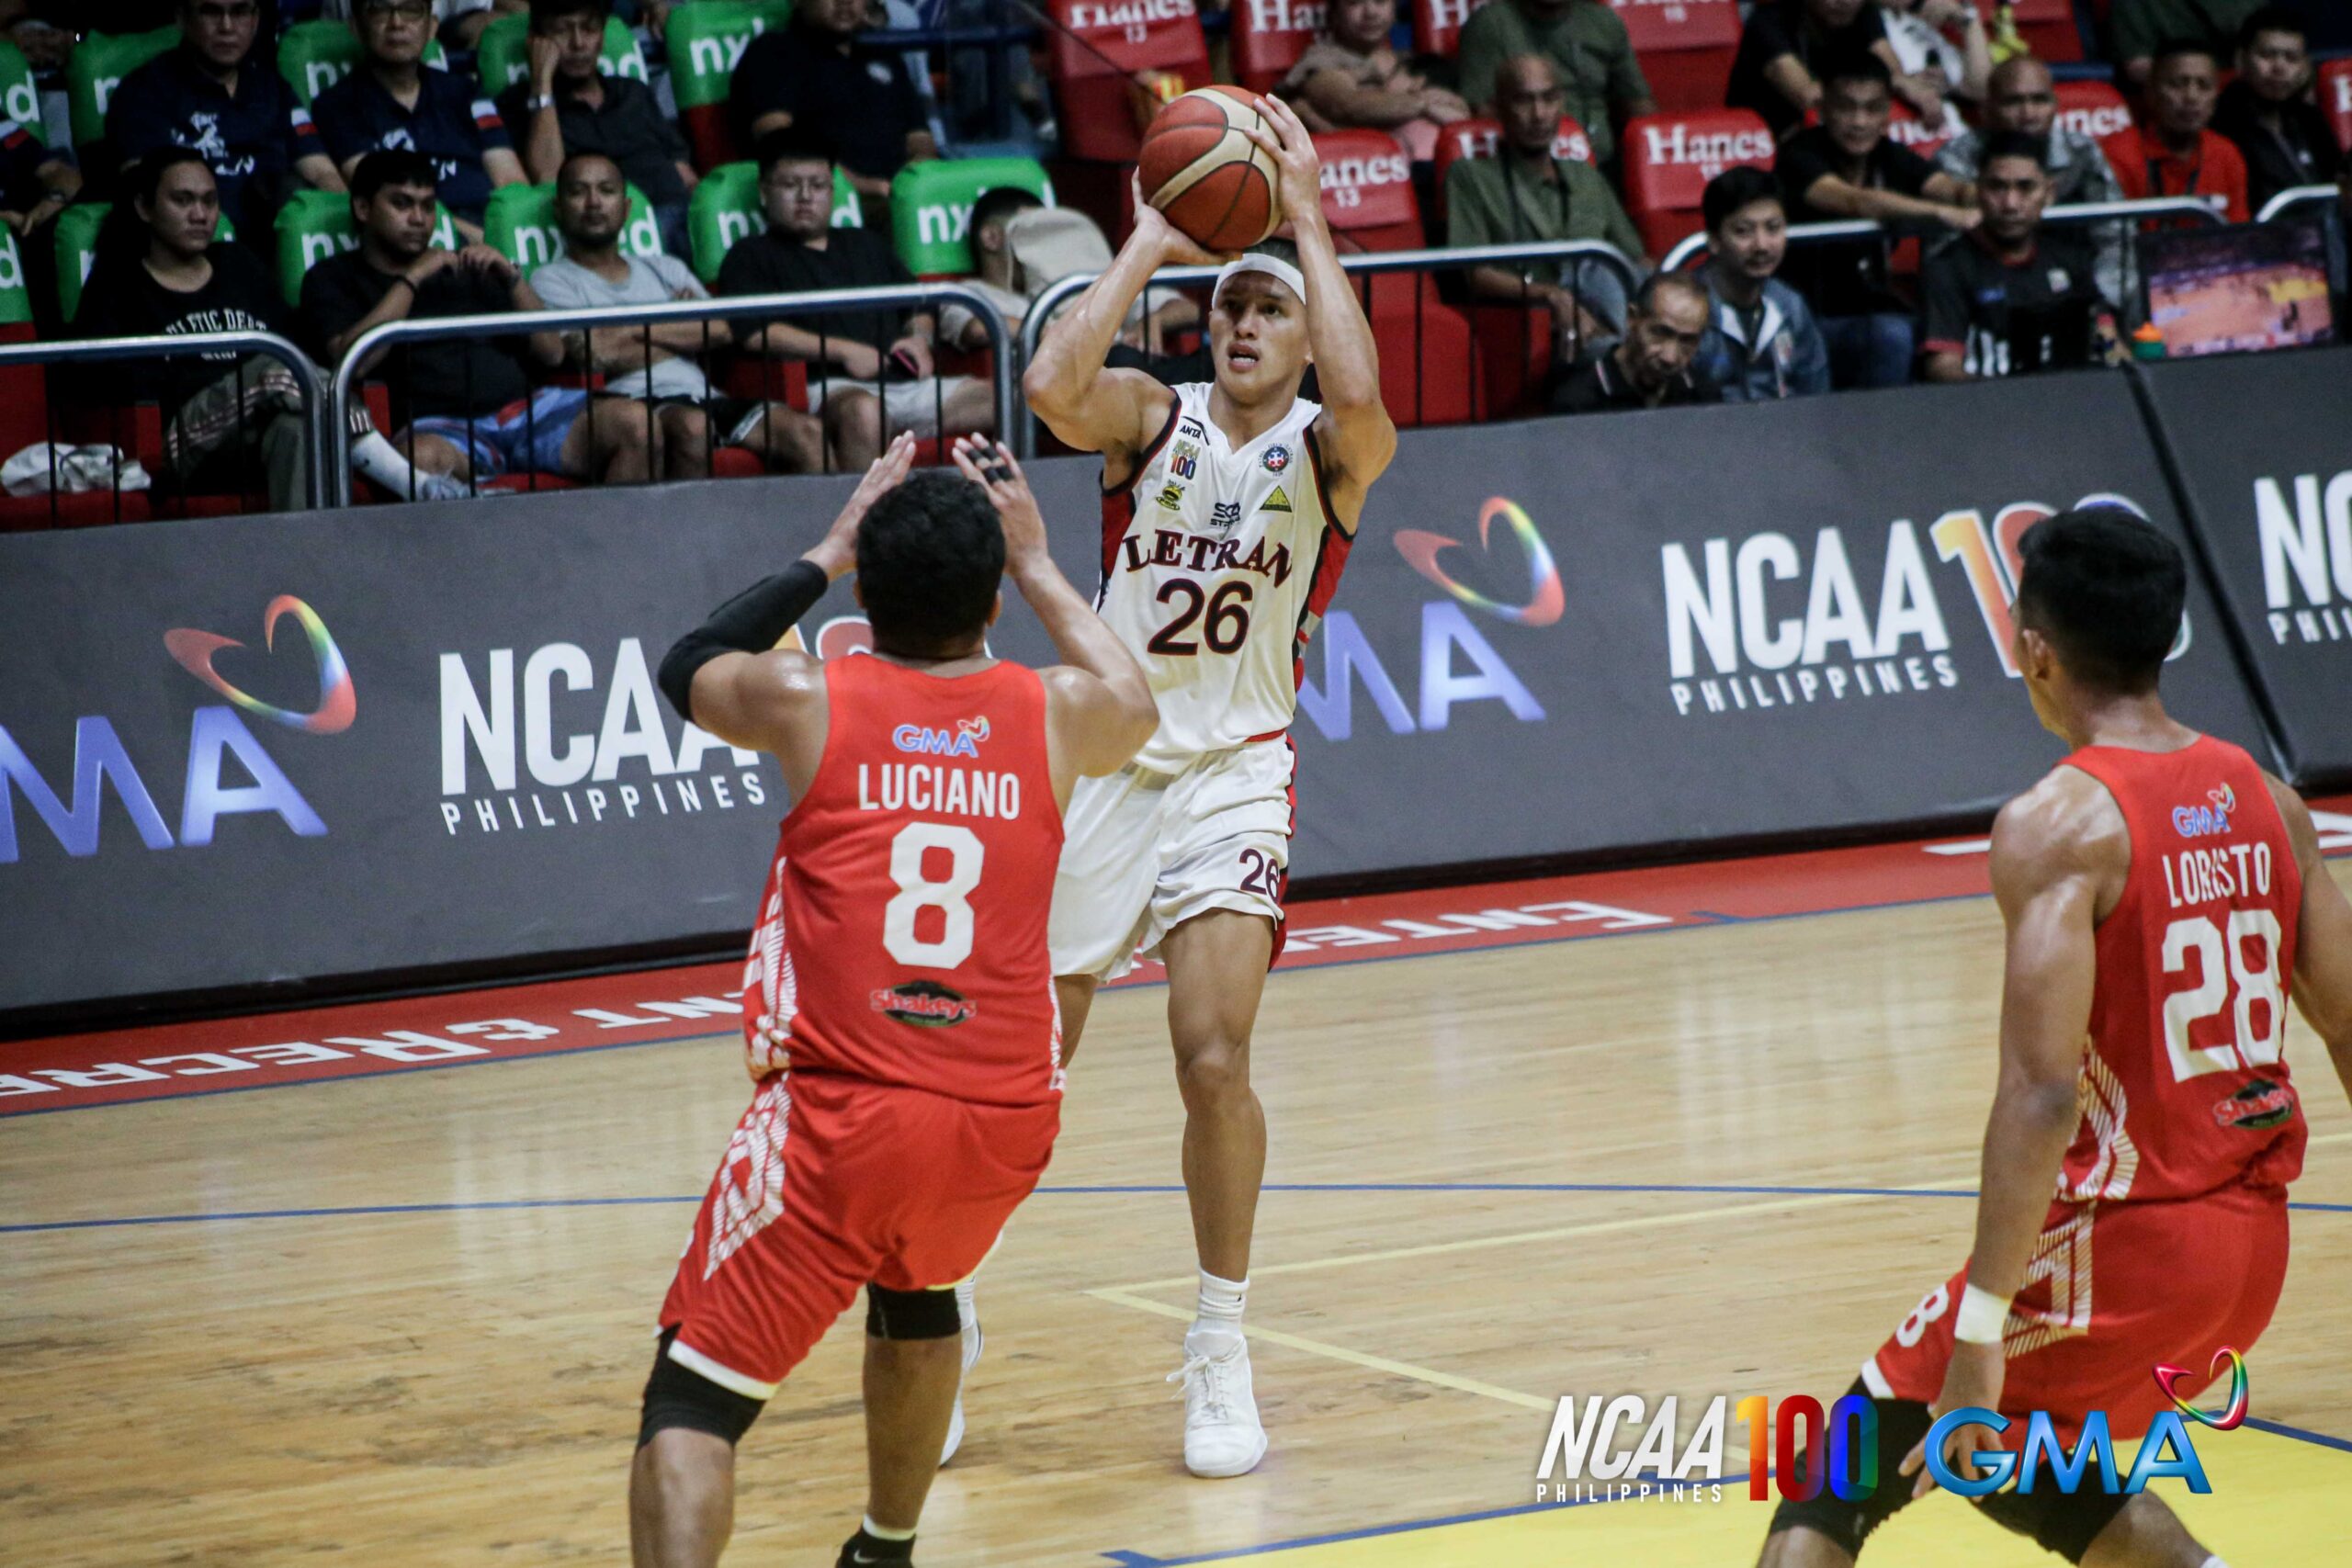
<point>973,1341</point>
<point>1222,1434</point>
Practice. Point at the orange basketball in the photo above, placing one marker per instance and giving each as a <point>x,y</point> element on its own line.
<point>1214,183</point>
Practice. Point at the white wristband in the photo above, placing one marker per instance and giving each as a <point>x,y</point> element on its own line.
<point>1982,1316</point>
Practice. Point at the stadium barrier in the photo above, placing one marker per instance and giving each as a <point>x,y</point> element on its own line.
<point>2201,209</point>
<point>1556,640</point>
<point>2296,197</point>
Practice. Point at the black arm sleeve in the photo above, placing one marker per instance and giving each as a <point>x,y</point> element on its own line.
<point>752,622</point>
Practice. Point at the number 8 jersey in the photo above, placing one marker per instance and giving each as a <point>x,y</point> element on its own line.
<point>1217,563</point>
<point>2184,1088</point>
<point>902,937</point>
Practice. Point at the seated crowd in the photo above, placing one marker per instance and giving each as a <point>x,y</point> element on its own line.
<point>206,143</point>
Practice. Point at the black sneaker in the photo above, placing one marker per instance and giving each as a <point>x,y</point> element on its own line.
<point>863,1551</point>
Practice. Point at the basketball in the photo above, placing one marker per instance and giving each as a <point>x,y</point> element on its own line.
<point>1215,183</point>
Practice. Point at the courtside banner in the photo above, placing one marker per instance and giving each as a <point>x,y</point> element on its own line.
<point>2264,447</point>
<point>320,750</point>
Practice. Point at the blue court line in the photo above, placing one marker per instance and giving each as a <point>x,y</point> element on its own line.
<point>2280,1430</point>
<point>1106,1189</point>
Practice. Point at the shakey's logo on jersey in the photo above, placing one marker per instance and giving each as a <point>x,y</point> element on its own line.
<point>2260,1104</point>
<point>2199,821</point>
<point>1546,598</point>
<point>926,1004</point>
<point>963,740</point>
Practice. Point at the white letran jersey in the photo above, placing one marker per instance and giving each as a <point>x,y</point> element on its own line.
<point>1217,564</point>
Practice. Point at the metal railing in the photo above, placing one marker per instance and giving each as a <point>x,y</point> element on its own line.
<point>1042,307</point>
<point>2298,195</point>
<point>2203,209</point>
<point>361,358</point>
<point>196,346</point>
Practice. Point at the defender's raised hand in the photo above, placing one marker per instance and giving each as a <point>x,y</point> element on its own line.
<point>992,466</point>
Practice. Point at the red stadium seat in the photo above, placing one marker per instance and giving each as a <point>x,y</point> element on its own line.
<point>2094,108</point>
<point>2335,98</point>
<point>1094,62</point>
<point>1514,357</point>
<point>1686,48</point>
<point>2048,27</point>
<point>1437,24</point>
<point>1426,361</point>
<point>1905,130</point>
<point>1669,158</point>
<point>1268,38</point>
<point>710,134</point>
<point>24,421</point>
<point>1479,138</point>
<point>1368,191</point>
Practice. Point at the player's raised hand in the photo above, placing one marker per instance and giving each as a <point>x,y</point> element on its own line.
<point>1175,247</point>
<point>836,553</point>
<point>992,466</point>
<point>1291,147</point>
<point>1973,1380</point>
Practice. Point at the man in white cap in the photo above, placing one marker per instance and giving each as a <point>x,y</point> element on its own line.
<point>1228,509</point>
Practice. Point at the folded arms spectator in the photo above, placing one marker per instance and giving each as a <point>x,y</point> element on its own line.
<point>2011,296</point>
<point>2268,113</point>
<point>158,272</point>
<point>2141,28</point>
<point>2177,152</point>
<point>1591,54</point>
<point>815,74</point>
<point>1652,368</point>
<point>1762,344</point>
<point>1351,77</point>
<point>37,182</point>
<point>394,102</point>
<point>567,106</point>
<point>1787,45</point>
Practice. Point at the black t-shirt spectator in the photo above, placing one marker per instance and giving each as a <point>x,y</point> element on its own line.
<point>2301,151</point>
<point>1842,278</point>
<point>775,263</point>
<point>1597,384</point>
<point>250,139</point>
<point>1775,30</point>
<point>863,101</point>
<point>630,130</point>
<point>451,124</point>
<point>462,379</point>
<point>2006,318</point>
<point>123,300</point>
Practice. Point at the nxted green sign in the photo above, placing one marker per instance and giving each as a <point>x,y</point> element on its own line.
<point>930,207</point>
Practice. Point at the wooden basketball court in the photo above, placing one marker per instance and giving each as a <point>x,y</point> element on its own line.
<point>404,1318</point>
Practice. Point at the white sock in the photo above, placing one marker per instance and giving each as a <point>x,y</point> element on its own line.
<point>965,1314</point>
<point>380,460</point>
<point>1218,1316</point>
<point>878,1533</point>
<point>2215,1562</point>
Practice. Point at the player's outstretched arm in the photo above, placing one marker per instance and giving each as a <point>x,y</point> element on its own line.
<point>728,677</point>
<point>1086,405</point>
<point>2322,982</point>
<point>2058,850</point>
<point>1100,710</point>
<point>1355,434</point>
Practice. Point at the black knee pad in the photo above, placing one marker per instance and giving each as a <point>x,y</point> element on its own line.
<point>678,1395</point>
<point>912,1314</point>
<point>2056,1522</point>
<point>1901,1423</point>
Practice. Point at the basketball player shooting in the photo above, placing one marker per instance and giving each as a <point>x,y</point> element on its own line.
<point>2163,897</point>
<point>898,1004</point>
<point>1228,508</point>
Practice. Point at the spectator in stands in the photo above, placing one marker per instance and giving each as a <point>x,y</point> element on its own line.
<point>1652,368</point>
<point>1761,344</point>
<point>2177,152</point>
<point>1947,43</point>
<point>2023,98</point>
<point>2267,112</point>
<point>2009,296</point>
<point>1846,167</point>
<point>661,365</point>
<point>460,23</point>
<point>1524,193</point>
<point>37,181</point>
<point>1351,77</point>
<point>567,107</point>
<point>887,379</point>
<point>816,75</point>
<point>468,406</point>
<point>2139,29</point>
<point>1018,253</point>
<point>221,95</point>
<point>158,272</point>
<point>1591,57</point>
<point>1785,47</point>
<point>991,229</point>
<point>394,102</point>
<point>44,29</point>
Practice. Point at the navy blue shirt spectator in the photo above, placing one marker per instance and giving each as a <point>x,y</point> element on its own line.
<point>815,76</point>
<point>394,102</point>
<point>219,95</point>
<point>32,173</point>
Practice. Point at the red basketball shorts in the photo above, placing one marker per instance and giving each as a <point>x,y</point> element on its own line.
<point>2113,1291</point>
<point>829,1184</point>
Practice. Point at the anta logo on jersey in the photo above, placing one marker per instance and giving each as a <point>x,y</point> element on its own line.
<point>926,1004</point>
<point>963,740</point>
<point>216,733</point>
<point>2259,1104</point>
<point>2206,821</point>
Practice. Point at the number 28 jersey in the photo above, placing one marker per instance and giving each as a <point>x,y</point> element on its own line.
<point>2184,1087</point>
<point>1217,564</point>
<point>902,937</point>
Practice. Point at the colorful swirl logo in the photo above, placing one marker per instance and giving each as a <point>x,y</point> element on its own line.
<point>2233,1410</point>
<point>338,700</point>
<point>1545,599</point>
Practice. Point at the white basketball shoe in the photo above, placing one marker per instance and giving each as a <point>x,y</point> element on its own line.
<point>1222,1436</point>
<point>973,1341</point>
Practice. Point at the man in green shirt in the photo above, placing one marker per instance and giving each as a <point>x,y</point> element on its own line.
<point>1525,193</point>
<point>2139,26</point>
<point>1586,42</point>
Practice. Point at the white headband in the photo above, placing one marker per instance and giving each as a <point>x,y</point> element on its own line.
<point>1274,267</point>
